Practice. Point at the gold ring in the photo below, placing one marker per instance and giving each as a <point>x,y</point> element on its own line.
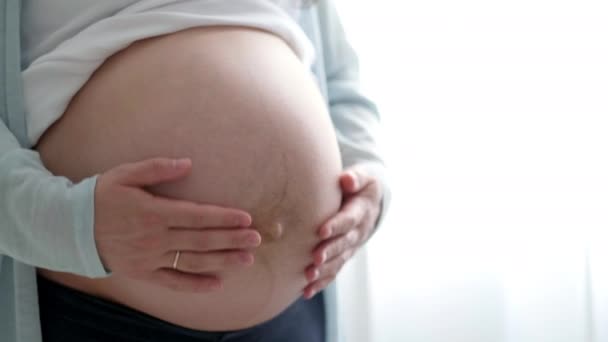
<point>176,259</point>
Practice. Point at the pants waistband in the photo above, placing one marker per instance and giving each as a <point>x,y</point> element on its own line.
<point>70,315</point>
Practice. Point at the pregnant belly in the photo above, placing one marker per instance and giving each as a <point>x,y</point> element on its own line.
<point>239,103</point>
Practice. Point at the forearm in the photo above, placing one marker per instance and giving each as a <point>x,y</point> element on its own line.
<point>354,115</point>
<point>359,148</point>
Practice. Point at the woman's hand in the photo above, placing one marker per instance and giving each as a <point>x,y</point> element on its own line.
<point>138,234</point>
<point>346,231</point>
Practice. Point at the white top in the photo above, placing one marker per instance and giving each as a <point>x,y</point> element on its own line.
<point>65,41</point>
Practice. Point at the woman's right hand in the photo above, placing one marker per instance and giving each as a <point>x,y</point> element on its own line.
<point>138,234</point>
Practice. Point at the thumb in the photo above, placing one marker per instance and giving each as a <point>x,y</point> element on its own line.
<point>152,171</point>
<point>351,181</point>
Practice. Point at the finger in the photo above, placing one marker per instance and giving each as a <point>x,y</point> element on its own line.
<point>312,289</point>
<point>212,240</point>
<point>184,282</point>
<point>351,215</point>
<point>349,182</point>
<point>333,266</point>
<point>192,262</point>
<point>186,214</point>
<point>330,248</point>
<point>151,171</point>
<point>312,273</point>
<point>353,180</point>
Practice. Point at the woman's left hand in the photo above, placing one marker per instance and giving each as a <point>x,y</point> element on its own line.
<point>347,230</point>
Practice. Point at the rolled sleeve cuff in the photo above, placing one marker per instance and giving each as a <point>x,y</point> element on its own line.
<point>83,198</point>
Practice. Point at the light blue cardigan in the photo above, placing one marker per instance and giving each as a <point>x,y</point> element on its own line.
<point>47,221</point>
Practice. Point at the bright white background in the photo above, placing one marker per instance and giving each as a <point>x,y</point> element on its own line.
<point>496,133</point>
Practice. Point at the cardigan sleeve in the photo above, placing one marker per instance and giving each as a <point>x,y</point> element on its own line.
<point>354,115</point>
<point>45,221</point>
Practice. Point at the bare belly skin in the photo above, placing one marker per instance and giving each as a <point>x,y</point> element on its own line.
<point>239,103</point>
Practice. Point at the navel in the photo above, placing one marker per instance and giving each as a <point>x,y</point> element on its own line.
<point>273,232</point>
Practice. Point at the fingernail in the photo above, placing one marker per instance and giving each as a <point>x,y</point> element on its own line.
<point>355,181</point>
<point>310,276</point>
<point>181,163</point>
<point>323,257</point>
<point>315,275</point>
<point>245,221</point>
<point>246,259</point>
<point>328,232</point>
<point>254,240</point>
<point>215,286</point>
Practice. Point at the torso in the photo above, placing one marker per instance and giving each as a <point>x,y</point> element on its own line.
<point>240,104</point>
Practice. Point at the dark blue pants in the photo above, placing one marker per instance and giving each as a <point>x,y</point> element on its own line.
<point>68,315</point>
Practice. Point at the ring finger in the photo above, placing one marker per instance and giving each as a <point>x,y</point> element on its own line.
<point>328,249</point>
<point>333,266</point>
<point>193,262</point>
<point>325,273</point>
